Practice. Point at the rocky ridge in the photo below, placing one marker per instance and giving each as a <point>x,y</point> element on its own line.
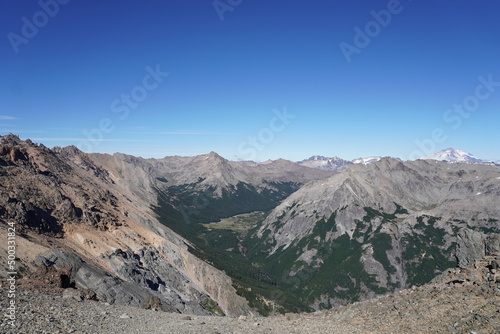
<point>204,171</point>
<point>419,187</point>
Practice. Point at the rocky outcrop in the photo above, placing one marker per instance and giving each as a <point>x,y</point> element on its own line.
<point>106,288</point>
<point>136,287</point>
<point>473,245</point>
<point>43,192</point>
<point>483,271</point>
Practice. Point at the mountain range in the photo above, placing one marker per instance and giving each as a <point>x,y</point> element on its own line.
<point>376,228</point>
<point>204,235</point>
<point>337,164</point>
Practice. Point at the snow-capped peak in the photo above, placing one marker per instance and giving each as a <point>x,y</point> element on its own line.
<point>335,164</point>
<point>321,158</point>
<point>317,157</point>
<point>452,155</point>
<point>366,161</point>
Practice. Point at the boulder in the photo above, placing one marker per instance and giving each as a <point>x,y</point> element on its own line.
<point>473,245</point>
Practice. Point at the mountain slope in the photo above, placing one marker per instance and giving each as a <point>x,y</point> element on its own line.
<point>374,228</point>
<point>70,212</point>
<point>208,187</point>
<point>191,192</point>
<point>124,197</point>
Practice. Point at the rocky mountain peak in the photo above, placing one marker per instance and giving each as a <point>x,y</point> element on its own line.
<point>214,155</point>
<point>213,169</point>
<point>10,139</point>
<point>17,152</point>
<point>211,158</point>
<point>316,157</point>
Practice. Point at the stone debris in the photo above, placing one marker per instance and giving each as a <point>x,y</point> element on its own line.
<point>72,293</point>
<point>461,300</point>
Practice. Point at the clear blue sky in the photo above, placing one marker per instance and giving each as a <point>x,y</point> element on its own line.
<point>82,76</point>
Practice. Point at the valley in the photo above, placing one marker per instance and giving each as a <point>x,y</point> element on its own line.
<point>230,166</point>
<point>345,238</point>
<point>240,223</point>
<point>204,235</point>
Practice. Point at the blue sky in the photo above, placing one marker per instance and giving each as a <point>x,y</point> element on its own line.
<point>253,79</point>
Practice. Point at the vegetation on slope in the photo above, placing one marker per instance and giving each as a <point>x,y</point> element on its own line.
<point>280,282</point>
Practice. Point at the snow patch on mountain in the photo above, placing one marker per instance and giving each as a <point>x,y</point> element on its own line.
<point>452,155</point>
<point>335,164</point>
<point>366,161</point>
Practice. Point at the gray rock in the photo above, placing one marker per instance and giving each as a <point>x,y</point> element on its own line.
<point>473,245</point>
<point>147,269</point>
<point>111,289</point>
<point>470,247</point>
<point>145,280</point>
<point>493,244</point>
<point>72,293</point>
<point>60,259</point>
<point>106,287</point>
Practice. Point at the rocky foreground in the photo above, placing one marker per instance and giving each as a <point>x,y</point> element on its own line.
<point>462,300</point>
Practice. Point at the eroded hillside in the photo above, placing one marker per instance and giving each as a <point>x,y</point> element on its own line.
<point>70,212</point>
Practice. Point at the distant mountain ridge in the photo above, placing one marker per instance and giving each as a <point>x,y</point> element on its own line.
<point>366,161</point>
<point>335,164</point>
